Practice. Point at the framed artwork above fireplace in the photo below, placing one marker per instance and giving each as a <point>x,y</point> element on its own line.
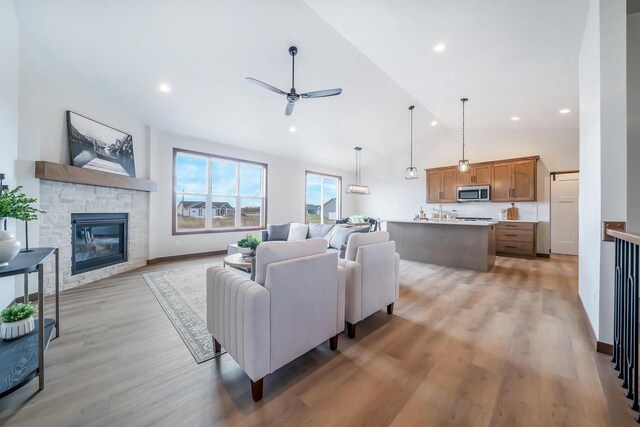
<point>97,146</point>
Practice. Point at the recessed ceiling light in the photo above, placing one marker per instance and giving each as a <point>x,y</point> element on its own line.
<point>515,118</point>
<point>440,47</point>
<point>434,123</point>
<point>292,129</point>
<point>164,87</point>
<point>564,111</point>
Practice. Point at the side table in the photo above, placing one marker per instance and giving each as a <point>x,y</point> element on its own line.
<point>18,356</point>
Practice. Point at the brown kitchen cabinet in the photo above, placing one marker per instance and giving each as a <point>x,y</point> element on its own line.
<point>478,175</point>
<point>501,182</point>
<point>442,185</point>
<point>524,180</point>
<point>514,181</point>
<point>516,239</point>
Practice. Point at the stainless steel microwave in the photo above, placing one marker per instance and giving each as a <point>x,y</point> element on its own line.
<point>474,193</point>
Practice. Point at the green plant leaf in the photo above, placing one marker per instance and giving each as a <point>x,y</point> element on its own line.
<point>16,204</point>
<point>17,312</point>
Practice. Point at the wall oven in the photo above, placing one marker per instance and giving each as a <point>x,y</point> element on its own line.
<point>474,193</point>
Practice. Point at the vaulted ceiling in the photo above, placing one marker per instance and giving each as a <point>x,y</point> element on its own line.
<point>510,58</point>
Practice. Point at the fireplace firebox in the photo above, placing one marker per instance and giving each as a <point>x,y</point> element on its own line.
<point>98,240</point>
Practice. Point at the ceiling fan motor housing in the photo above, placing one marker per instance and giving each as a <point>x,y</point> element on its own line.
<point>293,96</point>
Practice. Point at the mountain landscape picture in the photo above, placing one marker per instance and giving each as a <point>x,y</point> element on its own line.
<point>100,147</point>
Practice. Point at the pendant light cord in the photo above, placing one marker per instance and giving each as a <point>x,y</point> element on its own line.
<point>411,110</point>
<point>357,167</point>
<point>463,129</point>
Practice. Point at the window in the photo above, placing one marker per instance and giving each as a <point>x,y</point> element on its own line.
<point>322,204</point>
<point>213,193</point>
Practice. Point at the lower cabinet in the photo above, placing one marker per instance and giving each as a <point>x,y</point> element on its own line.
<point>516,239</point>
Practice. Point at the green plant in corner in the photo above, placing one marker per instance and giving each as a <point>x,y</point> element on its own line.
<point>249,242</point>
<point>9,207</point>
<point>17,312</point>
<point>16,204</point>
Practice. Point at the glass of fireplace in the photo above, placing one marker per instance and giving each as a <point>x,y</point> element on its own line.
<point>98,240</point>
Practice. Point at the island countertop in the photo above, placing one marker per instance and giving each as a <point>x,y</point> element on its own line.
<point>446,222</point>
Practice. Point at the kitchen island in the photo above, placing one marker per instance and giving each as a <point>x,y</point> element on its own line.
<point>461,244</point>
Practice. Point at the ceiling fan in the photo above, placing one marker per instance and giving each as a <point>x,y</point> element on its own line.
<point>293,96</point>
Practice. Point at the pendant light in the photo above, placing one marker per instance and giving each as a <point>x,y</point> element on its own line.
<point>358,188</point>
<point>411,172</point>
<point>463,165</point>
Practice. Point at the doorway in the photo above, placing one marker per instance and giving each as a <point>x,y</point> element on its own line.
<point>564,212</point>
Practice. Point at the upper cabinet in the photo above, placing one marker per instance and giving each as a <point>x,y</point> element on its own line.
<point>514,181</point>
<point>511,180</point>
<point>482,174</point>
<point>434,186</point>
<point>478,175</point>
<point>442,185</point>
<point>450,185</point>
<point>501,182</point>
<point>524,180</point>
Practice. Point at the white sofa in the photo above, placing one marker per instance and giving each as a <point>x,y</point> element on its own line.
<point>372,276</point>
<point>295,303</point>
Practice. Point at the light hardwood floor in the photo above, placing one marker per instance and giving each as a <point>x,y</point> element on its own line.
<point>504,348</point>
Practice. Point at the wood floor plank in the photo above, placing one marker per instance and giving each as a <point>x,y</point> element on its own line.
<point>504,348</point>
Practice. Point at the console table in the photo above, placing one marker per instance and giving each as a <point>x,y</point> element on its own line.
<point>18,361</point>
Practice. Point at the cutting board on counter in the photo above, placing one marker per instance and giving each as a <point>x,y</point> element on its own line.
<point>513,212</point>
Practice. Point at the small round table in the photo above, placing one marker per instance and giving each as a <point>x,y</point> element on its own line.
<point>237,261</point>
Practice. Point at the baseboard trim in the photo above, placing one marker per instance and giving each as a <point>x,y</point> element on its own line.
<point>32,298</point>
<point>592,334</point>
<point>185,256</point>
<point>539,255</point>
<point>604,348</point>
<point>599,346</point>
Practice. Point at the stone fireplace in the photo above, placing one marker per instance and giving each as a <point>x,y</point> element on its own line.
<point>63,201</point>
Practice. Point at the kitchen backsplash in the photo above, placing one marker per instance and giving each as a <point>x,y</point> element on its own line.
<point>528,210</point>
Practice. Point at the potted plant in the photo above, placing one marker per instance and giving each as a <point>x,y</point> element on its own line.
<point>247,245</point>
<point>17,321</point>
<point>9,208</point>
<point>24,211</point>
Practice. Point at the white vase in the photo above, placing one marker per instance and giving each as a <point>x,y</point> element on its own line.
<point>9,247</point>
<point>13,330</point>
<point>246,252</point>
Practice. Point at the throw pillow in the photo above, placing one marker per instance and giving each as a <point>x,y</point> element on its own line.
<point>330,234</point>
<point>297,232</point>
<point>278,232</point>
<point>340,236</point>
<point>319,230</point>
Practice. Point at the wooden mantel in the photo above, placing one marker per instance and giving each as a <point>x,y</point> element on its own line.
<point>51,171</point>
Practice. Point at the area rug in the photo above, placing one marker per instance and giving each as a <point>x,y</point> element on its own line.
<point>182,294</point>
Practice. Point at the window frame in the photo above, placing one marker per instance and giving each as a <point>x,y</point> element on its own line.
<point>209,196</point>
<point>323,175</point>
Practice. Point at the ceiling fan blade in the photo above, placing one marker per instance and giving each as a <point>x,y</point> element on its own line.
<point>266,86</point>
<point>289,109</point>
<point>321,93</point>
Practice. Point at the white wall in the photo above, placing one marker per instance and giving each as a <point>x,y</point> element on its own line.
<point>633,121</point>
<point>286,192</point>
<point>9,80</point>
<point>393,197</point>
<point>613,74</point>
<point>603,146</point>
